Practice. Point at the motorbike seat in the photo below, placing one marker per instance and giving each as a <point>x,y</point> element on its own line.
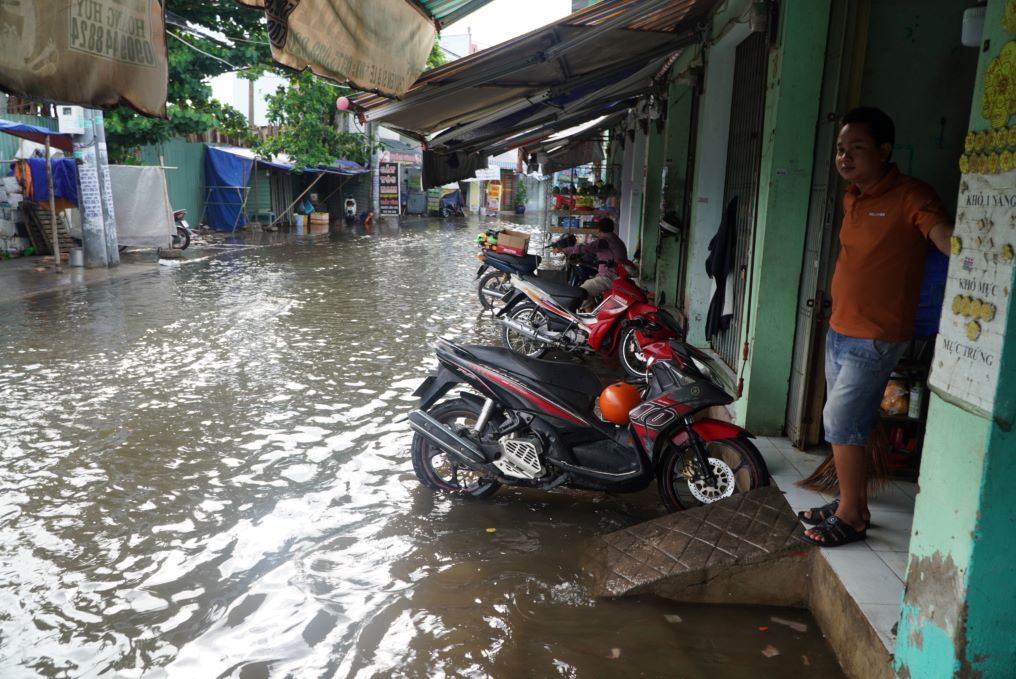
<point>575,385</point>
<point>515,264</point>
<point>569,296</point>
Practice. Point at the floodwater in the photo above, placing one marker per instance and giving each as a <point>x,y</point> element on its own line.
<point>200,476</point>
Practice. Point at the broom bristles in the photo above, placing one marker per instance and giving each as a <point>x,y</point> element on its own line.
<point>823,479</point>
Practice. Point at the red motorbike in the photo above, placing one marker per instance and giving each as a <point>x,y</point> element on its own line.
<point>539,315</point>
<point>542,424</point>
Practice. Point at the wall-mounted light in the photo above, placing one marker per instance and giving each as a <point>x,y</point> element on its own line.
<point>758,18</point>
<point>973,25</point>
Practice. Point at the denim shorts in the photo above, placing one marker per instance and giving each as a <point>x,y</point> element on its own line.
<point>856,374</point>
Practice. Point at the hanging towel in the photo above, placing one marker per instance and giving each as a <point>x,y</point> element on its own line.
<point>720,267</point>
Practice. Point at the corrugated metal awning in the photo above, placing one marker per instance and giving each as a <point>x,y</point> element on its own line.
<point>608,50</point>
<point>446,12</point>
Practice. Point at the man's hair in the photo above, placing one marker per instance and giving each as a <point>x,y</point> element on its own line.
<point>606,225</point>
<point>879,124</point>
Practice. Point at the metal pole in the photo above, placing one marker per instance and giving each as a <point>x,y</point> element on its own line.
<point>52,209</point>
<point>90,200</point>
<point>106,193</point>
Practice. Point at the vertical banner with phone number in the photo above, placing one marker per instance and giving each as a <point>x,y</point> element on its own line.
<point>97,53</point>
<point>389,190</point>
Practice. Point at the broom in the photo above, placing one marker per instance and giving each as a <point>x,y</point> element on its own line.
<point>823,479</point>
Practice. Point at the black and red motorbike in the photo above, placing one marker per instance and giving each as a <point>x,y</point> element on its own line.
<point>542,315</point>
<point>535,423</point>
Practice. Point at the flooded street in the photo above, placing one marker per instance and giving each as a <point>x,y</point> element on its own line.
<point>200,476</point>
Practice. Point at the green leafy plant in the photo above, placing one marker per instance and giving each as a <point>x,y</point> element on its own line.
<point>521,193</point>
<point>305,112</point>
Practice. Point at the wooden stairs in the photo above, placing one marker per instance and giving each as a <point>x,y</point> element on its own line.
<point>39,223</point>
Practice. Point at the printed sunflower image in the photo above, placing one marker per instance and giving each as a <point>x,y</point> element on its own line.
<point>999,99</point>
<point>1009,17</point>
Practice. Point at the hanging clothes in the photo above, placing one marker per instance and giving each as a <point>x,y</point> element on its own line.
<point>720,268</point>
<point>31,174</point>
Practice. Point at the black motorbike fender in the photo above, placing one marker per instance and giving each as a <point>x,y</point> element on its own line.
<point>435,386</point>
<point>482,270</point>
<point>513,301</point>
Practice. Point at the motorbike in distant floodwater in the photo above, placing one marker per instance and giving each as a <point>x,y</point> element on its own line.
<point>182,234</point>
<point>542,424</point>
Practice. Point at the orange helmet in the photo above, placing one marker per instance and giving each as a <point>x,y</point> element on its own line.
<point>616,400</point>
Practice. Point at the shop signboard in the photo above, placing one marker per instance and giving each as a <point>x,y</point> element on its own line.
<point>968,349</point>
<point>389,191</point>
<point>493,197</point>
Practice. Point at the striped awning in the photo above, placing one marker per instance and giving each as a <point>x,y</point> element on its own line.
<point>446,12</point>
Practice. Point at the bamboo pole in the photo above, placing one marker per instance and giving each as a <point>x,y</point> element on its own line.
<point>52,209</point>
<point>297,200</point>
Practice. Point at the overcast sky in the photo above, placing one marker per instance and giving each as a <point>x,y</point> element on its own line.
<point>504,19</point>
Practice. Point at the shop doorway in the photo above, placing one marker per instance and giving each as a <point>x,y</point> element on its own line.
<point>744,157</point>
<point>906,58</point>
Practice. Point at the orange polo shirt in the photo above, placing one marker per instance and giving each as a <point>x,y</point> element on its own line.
<point>883,243</point>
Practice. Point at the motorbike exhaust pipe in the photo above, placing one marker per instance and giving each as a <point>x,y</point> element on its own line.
<point>523,329</point>
<point>447,440</point>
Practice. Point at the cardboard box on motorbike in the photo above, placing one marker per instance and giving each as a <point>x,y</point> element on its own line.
<point>512,242</point>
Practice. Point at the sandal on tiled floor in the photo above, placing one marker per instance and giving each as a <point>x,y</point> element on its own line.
<point>834,533</point>
<point>820,514</point>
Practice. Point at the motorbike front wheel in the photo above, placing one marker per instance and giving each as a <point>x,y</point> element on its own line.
<point>530,316</point>
<point>492,287</point>
<point>181,239</point>
<point>736,464</point>
<point>630,356</point>
<point>440,471</point>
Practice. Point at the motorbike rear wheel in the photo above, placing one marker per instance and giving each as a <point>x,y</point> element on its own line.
<point>737,466</point>
<point>630,356</point>
<point>181,239</point>
<point>492,287</point>
<point>440,471</point>
<point>531,316</point>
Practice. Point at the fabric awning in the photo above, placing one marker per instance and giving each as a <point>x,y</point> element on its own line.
<point>591,63</point>
<point>38,135</point>
<point>378,46</point>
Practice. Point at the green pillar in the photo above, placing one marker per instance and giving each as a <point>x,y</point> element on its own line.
<point>675,160</point>
<point>956,615</point>
<point>791,114</point>
<point>654,192</point>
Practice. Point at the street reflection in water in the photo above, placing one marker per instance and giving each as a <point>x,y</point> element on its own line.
<point>200,476</point>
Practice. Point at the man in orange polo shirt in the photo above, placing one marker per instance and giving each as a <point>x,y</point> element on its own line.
<point>888,220</point>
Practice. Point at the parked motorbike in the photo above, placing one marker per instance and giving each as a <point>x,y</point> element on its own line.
<point>493,286</point>
<point>349,211</point>
<point>542,315</point>
<point>182,234</point>
<point>534,423</point>
<point>452,205</point>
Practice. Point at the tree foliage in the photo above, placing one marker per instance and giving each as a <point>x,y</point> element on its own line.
<point>190,108</point>
<point>305,112</point>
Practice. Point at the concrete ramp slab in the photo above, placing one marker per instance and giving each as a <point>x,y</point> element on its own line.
<point>745,549</point>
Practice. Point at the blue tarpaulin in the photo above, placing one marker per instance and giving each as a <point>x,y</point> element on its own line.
<point>65,180</point>
<point>37,134</point>
<point>227,172</point>
<point>226,175</point>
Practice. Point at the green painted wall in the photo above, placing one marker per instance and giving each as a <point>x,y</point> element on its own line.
<point>677,148</point>
<point>795,79</point>
<point>186,183</point>
<point>650,237</point>
<point>956,616</point>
